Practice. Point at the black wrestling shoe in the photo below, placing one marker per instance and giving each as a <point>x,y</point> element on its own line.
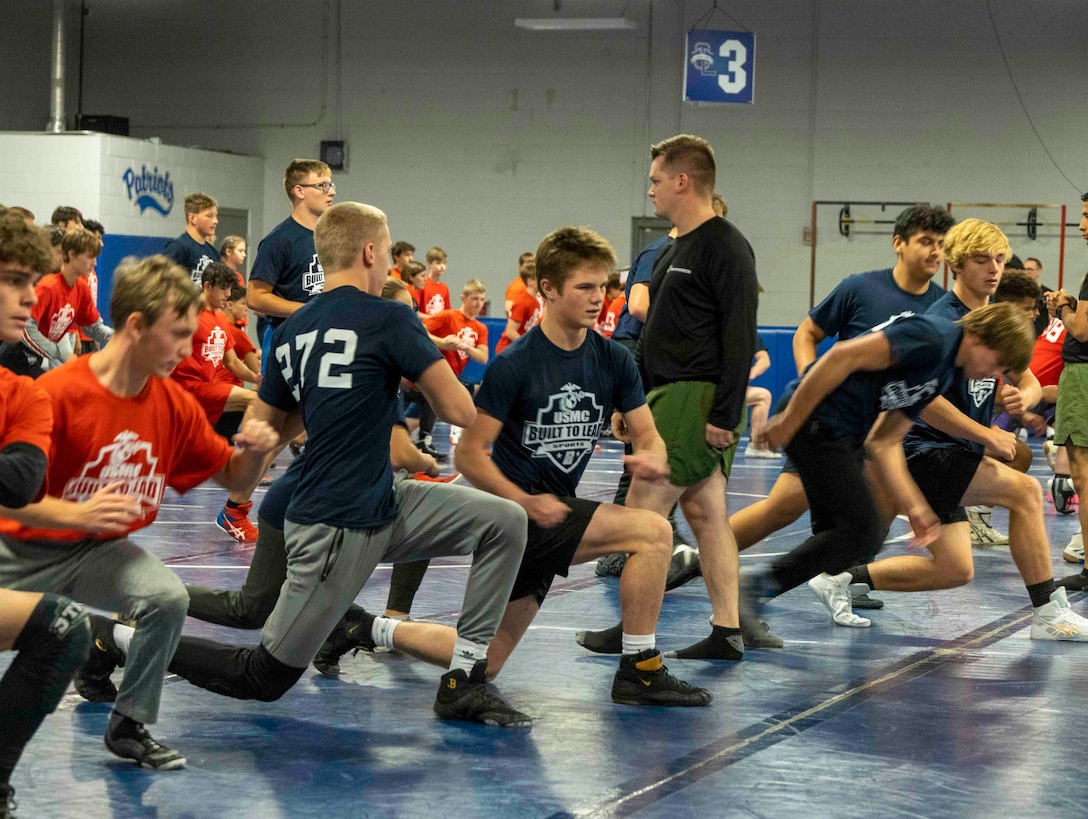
<point>1074,583</point>
<point>467,697</point>
<point>92,680</point>
<point>862,600</point>
<point>7,802</point>
<point>130,740</point>
<point>642,679</point>
<point>352,633</point>
<point>683,567</point>
<point>611,565</point>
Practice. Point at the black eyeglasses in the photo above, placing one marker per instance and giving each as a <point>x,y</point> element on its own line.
<point>324,187</point>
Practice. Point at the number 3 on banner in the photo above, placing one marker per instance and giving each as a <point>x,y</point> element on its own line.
<point>734,78</point>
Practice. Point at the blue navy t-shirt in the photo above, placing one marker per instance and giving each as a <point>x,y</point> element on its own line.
<point>553,404</point>
<point>340,359</point>
<point>192,255</point>
<point>273,509</point>
<point>974,397</point>
<point>862,301</point>
<point>287,260</point>
<point>628,327</point>
<point>924,348</point>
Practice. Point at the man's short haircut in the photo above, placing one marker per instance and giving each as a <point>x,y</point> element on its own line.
<point>198,203</point>
<point>26,213</point>
<point>392,287</point>
<point>524,256</point>
<point>436,254</point>
<point>64,213</point>
<point>721,207</point>
<point>56,234</point>
<point>613,282</point>
<point>567,248</point>
<point>973,236</point>
<point>230,243</point>
<point>80,242</point>
<point>151,287</point>
<point>24,244</point>
<point>342,231</point>
<point>218,275</point>
<point>1005,329</point>
<point>1016,285</point>
<point>1033,259</point>
<point>299,169</point>
<point>1084,197</point>
<point>685,153</point>
<point>94,226</point>
<point>473,286</point>
<point>918,218</point>
<point>237,292</point>
<point>400,248</point>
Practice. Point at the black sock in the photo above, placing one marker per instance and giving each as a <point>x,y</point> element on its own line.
<point>724,643</point>
<point>1040,592</point>
<point>51,646</point>
<point>232,504</point>
<point>606,641</point>
<point>122,727</point>
<point>860,574</point>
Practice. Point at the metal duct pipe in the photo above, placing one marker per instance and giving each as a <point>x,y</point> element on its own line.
<point>56,97</point>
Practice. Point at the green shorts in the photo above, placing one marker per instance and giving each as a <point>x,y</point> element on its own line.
<point>1071,420</point>
<point>680,412</point>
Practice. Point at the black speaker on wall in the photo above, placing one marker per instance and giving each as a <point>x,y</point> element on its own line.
<point>103,123</point>
<point>334,154</point>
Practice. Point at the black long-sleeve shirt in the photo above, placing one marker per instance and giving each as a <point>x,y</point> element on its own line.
<point>701,324</point>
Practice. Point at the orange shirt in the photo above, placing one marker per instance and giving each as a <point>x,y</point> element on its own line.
<point>26,412</point>
<point>515,289</point>
<point>395,273</point>
<point>456,323</point>
<point>526,311</point>
<point>211,341</point>
<point>60,306</point>
<point>156,439</point>
<point>612,315</point>
<point>243,346</point>
<point>434,298</point>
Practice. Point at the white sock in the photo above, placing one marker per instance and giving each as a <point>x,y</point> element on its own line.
<point>382,631</point>
<point>466,654</point>
<point>122,635</point>
<point>636,643</point>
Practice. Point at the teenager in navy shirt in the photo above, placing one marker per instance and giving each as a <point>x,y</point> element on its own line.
<point>194,249</point>
<point>865,394</point>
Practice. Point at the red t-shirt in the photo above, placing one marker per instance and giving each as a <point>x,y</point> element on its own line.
<point>60,307</point>
<point>611,316</point>
<point>456,323</point>
<point>434,298</point>
<point>26,412</point>
<point>526,311</point>
<point>1046,360</point>
<point>243,346</point>
<point>156,439</point>
<point>211,341</point>
<point>515,289</point>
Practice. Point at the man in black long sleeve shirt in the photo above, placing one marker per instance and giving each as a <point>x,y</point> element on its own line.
<point>697,348</point>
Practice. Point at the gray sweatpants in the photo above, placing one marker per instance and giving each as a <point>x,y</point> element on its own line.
<point>114,575</point>
<point>327,566</point>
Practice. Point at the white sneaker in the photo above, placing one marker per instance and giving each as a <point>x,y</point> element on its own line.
<point>982,533</point>
<point>752,452</point>
<point>455,435</point>
<point>834,592</point>
<point>1056,621</point>
<point>1074,550</point>
<point>1050,450</point>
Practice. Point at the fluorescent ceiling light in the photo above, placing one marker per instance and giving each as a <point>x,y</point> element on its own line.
<point>575,23</point>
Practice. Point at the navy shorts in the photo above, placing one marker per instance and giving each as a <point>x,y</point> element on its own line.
<point>943,474</point>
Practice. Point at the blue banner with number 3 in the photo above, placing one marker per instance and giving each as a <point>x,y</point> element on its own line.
<point>720,66</point>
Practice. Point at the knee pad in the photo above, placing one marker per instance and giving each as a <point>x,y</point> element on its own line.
<point>57,627</point>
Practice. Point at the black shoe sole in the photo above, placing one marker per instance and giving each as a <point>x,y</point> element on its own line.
<point>665,699</point>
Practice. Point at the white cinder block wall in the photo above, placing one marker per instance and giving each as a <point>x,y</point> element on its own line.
<point>481,137</point>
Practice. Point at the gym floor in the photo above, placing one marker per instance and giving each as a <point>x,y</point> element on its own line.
<point>944,708</point>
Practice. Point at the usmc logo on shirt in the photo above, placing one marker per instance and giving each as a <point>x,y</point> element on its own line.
<point>313,280</point>
<point>58,325</point>
<point>900,395</point>
<point>198,272</point>
<point>128,460</point>
<point>567,429</point>
<point>980,389</point>
<point>215,347</point>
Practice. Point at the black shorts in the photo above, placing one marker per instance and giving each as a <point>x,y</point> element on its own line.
<point>943,474</point>
<point>548,552</point>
